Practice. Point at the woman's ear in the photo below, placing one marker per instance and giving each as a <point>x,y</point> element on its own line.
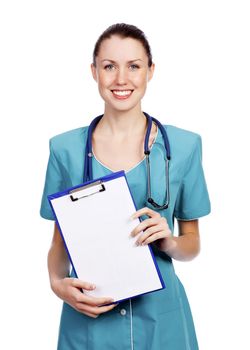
<point>151,71</point>
<point>93,70</point>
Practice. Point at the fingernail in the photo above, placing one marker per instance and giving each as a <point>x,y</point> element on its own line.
<point>132,217</point>
<point>92,286</point>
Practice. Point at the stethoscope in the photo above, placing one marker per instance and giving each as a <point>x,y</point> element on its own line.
<point>88,171</point>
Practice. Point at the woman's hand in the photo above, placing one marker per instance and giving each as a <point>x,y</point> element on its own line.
<point>184,247</point>
<point>155,229</point>
<point>69,290</point>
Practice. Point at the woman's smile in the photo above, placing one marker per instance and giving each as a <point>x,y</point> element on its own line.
<point>122,94</point>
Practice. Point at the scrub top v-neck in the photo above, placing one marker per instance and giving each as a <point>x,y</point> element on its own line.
<point>158,320</point>
<point>134,166</point>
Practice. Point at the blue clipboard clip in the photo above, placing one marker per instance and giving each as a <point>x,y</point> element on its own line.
<point>99,183</point>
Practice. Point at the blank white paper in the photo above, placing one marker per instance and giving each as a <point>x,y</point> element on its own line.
<point>96,230</point>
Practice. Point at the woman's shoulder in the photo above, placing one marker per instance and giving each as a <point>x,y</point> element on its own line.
<point>183,138</point>
<point>180,132</point>
<point>69,138</point>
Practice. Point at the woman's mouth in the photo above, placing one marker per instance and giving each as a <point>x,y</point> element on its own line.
<point>122,94</point>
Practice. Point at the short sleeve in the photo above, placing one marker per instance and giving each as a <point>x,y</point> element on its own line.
<point>54,182</point>
<point>193,199</point>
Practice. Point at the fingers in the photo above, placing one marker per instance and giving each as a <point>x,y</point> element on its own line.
<point>151,229</point>
<point>143,225</point>
<point>89,305</point>
<point>83,298</point>
<point>92,306</point>
<point>82,284</point>
<point>155,219</point>
<point>94,311</point>
<point>145,211</point>
<point>150,236</point>
<point>160,223</point>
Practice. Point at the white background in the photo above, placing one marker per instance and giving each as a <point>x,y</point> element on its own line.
<point>201,83</point>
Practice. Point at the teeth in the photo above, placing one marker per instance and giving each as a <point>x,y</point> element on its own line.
<point>122,93</point>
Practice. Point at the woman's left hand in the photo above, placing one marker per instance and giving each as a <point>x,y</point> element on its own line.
<point>155,229</point>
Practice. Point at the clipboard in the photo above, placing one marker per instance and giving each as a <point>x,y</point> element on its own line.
<point>94,221</point>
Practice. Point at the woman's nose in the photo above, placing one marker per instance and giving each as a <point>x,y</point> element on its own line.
<point>121,76</point>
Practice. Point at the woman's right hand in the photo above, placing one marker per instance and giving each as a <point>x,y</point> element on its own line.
<point>69,290</point>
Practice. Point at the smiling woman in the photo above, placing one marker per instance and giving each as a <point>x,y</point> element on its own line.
<point>122,70</point>
<point>122,67</point>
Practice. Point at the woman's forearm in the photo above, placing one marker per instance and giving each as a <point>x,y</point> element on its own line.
<point>185,247</point>
<point>58,262</point>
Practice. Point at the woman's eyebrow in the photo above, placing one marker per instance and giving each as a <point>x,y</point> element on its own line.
<point>106,59</point>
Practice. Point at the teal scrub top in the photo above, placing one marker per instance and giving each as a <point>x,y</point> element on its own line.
<point>157,320</point>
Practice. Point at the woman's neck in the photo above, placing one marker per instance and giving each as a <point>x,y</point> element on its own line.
<point>120,124</point>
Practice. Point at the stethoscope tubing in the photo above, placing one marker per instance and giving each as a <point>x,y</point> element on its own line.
<point>88,171</point>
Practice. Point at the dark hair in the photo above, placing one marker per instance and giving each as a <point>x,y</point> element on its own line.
<point>125,31</point>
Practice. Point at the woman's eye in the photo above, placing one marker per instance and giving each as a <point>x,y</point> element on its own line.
<point>109,67</point>
<point>134,66</point>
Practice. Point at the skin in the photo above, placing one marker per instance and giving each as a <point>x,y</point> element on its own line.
<point>121,64</point>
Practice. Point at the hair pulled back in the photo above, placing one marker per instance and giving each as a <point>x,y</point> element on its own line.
<point>123,30</point>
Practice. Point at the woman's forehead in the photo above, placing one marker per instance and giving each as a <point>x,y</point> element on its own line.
<point>115,48</point>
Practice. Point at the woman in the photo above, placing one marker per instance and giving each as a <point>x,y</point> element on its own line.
<point>122,66</point>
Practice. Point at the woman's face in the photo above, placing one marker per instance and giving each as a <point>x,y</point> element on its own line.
<point>122,72</point>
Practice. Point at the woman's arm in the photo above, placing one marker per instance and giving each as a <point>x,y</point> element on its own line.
<point>187,245</point>
<point>155,229</point>
<point>58,262</point>
<point>70,289</point>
